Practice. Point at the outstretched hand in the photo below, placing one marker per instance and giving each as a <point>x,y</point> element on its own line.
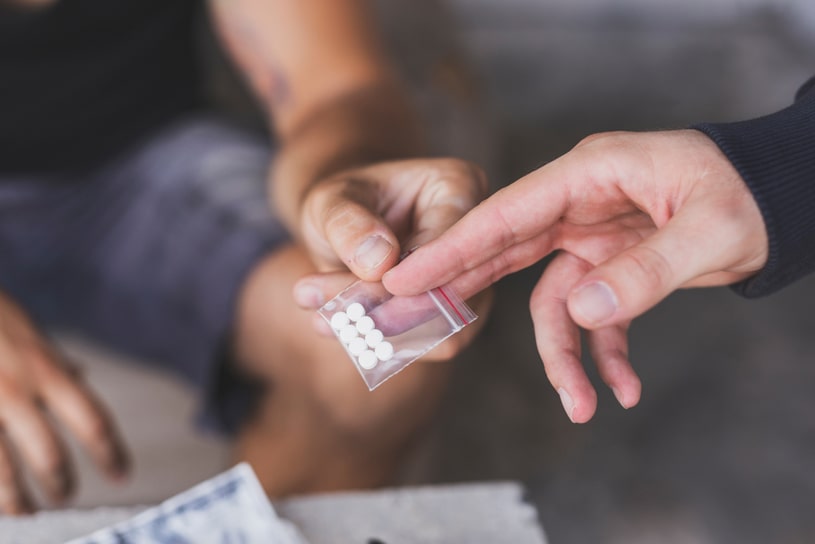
<point>635,217</point>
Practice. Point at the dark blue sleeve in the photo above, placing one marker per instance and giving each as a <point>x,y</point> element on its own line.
<point>775,156</point>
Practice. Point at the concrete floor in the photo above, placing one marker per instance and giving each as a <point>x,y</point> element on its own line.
<point>721,448</point>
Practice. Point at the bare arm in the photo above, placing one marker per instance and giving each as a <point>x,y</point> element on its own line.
<point>320,70</point>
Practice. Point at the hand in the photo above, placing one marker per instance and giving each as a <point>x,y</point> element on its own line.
<point>365,218</point>
<point>635,216</point>
<point>36,385</point>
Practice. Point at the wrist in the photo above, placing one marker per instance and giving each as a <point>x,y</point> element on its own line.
<point>371,124</point>
<point>775,156</point>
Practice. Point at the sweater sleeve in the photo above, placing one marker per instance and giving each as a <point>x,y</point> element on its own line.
<point>775,156</point>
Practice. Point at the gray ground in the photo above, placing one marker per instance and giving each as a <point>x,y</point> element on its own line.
<point>722,447</point>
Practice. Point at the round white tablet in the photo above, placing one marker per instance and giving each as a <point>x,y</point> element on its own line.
<point>357,346</point>
<point>365,324</point>
<point>339,320</point>
<point>355,310</point>
<point>384,351</point>
<point>348,333</point>
<point>374,337</point>
<point>367,359</point>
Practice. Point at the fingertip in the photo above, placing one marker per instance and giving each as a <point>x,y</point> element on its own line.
<point>23,507</point>
<point>120,466</point>
<point>579,408</point>
<point>113,458</point>
<point>404,280</point>
<point>393,279</point>
<point>307,295</point>
<point>628,395</point>
<point>583,412</point>
<point>123,468</point>
<point>59,486</point>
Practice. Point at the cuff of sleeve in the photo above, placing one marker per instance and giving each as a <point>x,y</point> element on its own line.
<point>806,88</point>
<point>775,156</point>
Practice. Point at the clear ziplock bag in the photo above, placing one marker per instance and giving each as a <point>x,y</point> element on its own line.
<point>383,333</point>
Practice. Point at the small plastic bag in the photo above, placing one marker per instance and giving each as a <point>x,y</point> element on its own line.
<point>383,333</point>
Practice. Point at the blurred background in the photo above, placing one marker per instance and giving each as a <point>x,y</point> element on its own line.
<point>722,446</point>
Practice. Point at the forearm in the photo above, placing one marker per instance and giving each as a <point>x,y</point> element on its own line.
<point>319,70</point>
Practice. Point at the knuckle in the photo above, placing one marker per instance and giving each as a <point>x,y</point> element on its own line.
<point>602,139</point>
<point>456,174</point>
<point>340,215</point>
<point>650,269</point>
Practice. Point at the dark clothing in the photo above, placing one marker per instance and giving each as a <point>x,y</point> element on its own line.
<point>82,79</point>
<point>775,156</point>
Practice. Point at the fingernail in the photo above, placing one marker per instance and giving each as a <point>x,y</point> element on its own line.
<point>568,403</point>
<point>372,252</point>
<point>308,296</point>
<point>619,396</point>
<point>594,302</point>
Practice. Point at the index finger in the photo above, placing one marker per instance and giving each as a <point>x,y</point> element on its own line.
<point>526,210</point>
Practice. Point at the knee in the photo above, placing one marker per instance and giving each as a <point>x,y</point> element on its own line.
<point>390,414</point>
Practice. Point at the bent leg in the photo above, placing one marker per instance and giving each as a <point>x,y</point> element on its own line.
<point>171,251</point>
<point>318,428</point>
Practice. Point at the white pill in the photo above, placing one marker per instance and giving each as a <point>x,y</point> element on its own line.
<point>384,351</point>
<point>348,333</point>
<point>355,310</point>
<point>365,324</point>
<point>367,359</point>
<point>339,320</point>
<point>357,346</point>
<point>374,337</point>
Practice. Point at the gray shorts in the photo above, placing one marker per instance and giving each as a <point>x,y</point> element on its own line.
<point>148,253</point>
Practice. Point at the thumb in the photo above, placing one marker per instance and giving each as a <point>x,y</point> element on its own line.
<point>635,280</point>
<point>340,224</point>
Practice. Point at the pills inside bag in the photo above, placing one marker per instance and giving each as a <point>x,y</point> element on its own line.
<point>383,334</point>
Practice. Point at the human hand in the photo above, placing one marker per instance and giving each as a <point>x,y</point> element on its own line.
<point>36,386</point>
<point>363,219</point>
<point>635,215</point>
